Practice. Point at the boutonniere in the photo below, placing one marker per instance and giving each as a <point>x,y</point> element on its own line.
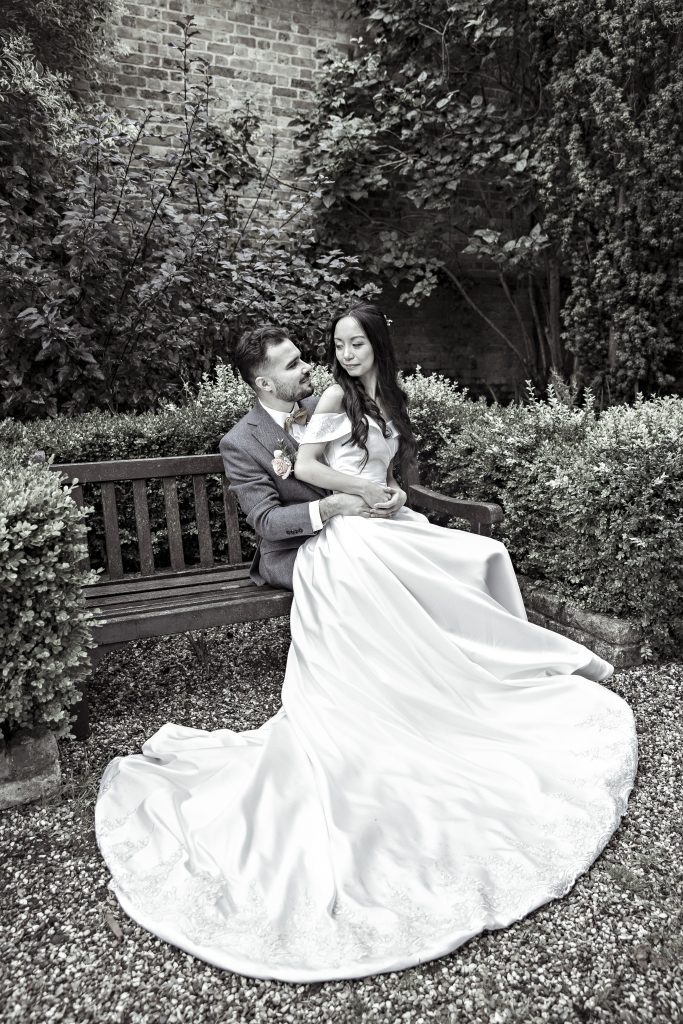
<point>282,463</point>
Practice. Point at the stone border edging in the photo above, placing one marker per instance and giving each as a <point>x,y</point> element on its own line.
<point>616,640</point>
<point>29,768</point>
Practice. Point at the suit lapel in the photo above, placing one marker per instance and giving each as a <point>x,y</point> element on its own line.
<point>267,432</point>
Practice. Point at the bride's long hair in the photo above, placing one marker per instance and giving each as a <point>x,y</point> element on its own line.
<point>357,403</point>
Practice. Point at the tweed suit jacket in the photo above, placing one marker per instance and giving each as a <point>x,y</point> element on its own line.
<point>276,509</point>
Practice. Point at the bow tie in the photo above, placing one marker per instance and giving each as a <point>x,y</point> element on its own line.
<point>300,416</point>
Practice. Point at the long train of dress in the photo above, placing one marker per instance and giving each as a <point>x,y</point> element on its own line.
<point>439,766</point>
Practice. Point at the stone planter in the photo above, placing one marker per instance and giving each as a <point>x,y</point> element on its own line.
<point>29,768</point>
<point>616,640</point>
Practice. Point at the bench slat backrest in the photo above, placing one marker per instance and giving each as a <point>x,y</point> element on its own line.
<point>201,504</point>
<point>139,472</point>
<point>142,469</point>
<point>112,540</point>
<point>232,526</point>
<point>173,527</point>
<point>142,527</point>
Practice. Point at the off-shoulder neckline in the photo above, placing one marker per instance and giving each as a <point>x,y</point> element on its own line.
<point>345,416</point>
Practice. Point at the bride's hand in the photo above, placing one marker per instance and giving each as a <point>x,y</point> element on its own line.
<point>374,494</point>
<point>388,508</point>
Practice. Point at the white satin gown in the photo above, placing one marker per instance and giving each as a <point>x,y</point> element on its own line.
<point>439,765</point>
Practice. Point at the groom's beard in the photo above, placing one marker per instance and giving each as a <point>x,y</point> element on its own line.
<point>293,392</point>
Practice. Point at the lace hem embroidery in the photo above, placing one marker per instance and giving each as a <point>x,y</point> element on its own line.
<point>453,895</point>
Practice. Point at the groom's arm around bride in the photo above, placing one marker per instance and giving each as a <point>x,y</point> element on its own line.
<point>282,510</point>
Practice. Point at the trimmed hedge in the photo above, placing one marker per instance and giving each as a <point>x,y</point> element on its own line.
<point>592,505</point>
<point>45,631</point>
<point>194,428</point>
<point>190,429</point>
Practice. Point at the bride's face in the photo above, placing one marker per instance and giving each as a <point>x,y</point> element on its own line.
<point>352,347</point>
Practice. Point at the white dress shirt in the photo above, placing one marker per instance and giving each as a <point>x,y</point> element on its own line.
<point>297,432</point>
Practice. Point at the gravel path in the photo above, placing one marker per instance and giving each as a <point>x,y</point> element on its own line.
<point>611,950</point>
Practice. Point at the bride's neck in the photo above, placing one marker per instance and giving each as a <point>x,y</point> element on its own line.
<point>370,385</point>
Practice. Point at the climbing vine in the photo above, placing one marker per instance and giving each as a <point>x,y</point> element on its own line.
<point>536,138</point>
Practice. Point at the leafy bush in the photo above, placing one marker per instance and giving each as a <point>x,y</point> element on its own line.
<point>437,408</point>
<point>538,138</point>
<point>72,40</point>
<point>45,631</point>
<point>192,428</point>
<point>592,506</point>
<point>132,251</point>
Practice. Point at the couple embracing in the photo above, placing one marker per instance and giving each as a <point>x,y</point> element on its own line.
<point>283,486</point>
<point>439,765</point>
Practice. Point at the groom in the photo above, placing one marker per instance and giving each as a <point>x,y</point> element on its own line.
<point>282,510</point>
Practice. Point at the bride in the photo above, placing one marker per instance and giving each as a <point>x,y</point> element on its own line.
<point>439,765</point>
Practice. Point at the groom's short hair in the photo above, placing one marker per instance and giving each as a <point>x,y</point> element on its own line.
<point>251,351</point>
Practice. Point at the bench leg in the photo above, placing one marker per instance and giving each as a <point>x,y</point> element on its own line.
<point>81,727</point>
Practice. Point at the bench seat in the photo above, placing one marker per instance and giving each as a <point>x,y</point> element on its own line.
<point>162,601</point>
<point>136,608</point>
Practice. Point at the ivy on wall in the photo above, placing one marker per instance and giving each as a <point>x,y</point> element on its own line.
<point>538,138</point>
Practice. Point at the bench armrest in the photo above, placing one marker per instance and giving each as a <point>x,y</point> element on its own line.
<point>480,514</point>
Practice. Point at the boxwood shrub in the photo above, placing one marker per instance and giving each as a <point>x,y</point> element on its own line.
<point>592,503</point>
<point>193,428</point>
<point>45,630</point>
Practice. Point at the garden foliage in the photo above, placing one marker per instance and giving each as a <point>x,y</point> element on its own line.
<point>132,250</point>
<point>593,504</point>
<point>539,139</point>
<point>74,41</point>
<point>45,631</point>
<point>192,428</point>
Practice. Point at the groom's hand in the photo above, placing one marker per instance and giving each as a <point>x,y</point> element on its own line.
<point>388,508</point>
<point>343,505</point>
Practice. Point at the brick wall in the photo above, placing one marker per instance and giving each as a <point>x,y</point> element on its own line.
<point>268,52</point>
<point>264,52</point>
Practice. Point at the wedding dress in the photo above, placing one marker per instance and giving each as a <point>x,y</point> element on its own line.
<point>439,765</point>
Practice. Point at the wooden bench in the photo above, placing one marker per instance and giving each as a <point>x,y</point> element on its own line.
<point>132,606</point>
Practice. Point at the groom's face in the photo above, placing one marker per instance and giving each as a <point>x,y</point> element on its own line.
<point>285,375</point>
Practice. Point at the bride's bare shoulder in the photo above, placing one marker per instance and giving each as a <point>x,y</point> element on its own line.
<point>331,400</point>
